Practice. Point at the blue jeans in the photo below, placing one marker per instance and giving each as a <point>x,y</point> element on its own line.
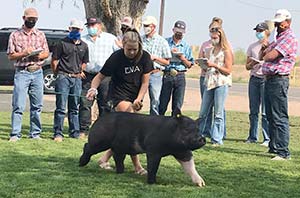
<point>175,86</point>
<point>155,84</point>
<point>207,129</point>
<point>208,125</point>
<point>67,90</point>
<point>33,85</point>
<point>256,99</point>
<point>276,92</point>
<point>214,97</point>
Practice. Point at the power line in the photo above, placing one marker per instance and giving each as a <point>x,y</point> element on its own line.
<point>262,7</point>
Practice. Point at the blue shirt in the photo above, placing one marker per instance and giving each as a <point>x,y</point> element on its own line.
<point>99,50</point>
<point>182,46</point>
<point>157,46</point>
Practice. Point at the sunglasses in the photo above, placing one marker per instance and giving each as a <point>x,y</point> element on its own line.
<point>146,25</point>
<point>214,29</point>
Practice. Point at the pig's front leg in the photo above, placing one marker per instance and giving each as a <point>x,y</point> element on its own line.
<point>153,161</point>
<point>189,168</point>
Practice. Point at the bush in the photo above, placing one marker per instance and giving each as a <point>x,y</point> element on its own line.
<point>240,57</point>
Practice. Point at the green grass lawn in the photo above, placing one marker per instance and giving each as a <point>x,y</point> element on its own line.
<point>47,169</point>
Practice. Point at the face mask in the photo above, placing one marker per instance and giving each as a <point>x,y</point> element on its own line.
<point>147,30</point>
<point>29,24</point>
<point>74,35</point>
<point>260,35</point>
<point>280,27</point>
<point>178,36</point>
<point>215,42</point>
<point>123,29</point>
<point>92,31</point>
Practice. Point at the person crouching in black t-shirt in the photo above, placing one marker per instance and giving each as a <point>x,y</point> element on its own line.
<point>129,69</point>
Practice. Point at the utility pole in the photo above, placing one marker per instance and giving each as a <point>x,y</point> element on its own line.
<point>161,17</point>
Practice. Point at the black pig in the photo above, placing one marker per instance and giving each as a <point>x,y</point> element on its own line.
<point>157,136</point>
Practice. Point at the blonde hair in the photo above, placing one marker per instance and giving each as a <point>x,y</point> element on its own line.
<point>132,35</point>
<point>223,39</point>
<point>215,22</point>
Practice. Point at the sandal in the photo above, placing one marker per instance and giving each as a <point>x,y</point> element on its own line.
<point>105,165</point>
<point>142,171</point>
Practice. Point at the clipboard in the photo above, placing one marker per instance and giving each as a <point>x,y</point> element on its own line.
<point>202,62</point>
<point>33,53</point>
<point>256,60</point>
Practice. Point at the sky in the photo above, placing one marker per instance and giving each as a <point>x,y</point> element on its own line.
<point>239,16</point>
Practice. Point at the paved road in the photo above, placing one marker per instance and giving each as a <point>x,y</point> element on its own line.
<point>237,99</point>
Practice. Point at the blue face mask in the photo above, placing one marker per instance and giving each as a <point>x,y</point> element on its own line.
<point>92,31</point>
<point>74,35</point>
<point>260,35</point>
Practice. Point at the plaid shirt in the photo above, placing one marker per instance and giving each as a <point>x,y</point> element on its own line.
<point>157,46</point>
<point>99,50</point>
<point>286,44</point>
<point>20,40</point>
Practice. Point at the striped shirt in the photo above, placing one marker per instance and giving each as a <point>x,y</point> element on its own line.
<point>157,46</point>
<point>183,47</point>
<point>286,44</point>
<point>20,40</point>
<point>99,50</point>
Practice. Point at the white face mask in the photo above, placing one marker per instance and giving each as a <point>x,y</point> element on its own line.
<point>147,30</point>
<point>215,42</point>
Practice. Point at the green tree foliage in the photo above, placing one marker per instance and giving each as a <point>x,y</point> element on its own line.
<point>240,57</point>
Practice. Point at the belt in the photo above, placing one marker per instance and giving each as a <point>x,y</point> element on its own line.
<point>155,71</point>
<point>71,75</point>
<point>30,68</point>
<point>268,77</point>
<point>173,73</point>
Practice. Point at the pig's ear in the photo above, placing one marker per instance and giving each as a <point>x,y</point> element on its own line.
<point>177,113</point>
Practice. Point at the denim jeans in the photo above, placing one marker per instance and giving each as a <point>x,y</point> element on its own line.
<point>276,93</point>
<point>209,119</point>
<point>208,124</point>
<point>175,86</point>
<point>33,85</point>
<point>256,99</point>
<point>68,91</point>
<point>155,84</point>
<point>214,97</point>
<point>86,105</point>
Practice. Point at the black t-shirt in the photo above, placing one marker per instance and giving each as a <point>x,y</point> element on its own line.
<point>126,76</point>
<point>70,55</point>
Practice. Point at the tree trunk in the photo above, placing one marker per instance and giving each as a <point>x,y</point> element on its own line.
<point>112,11</point>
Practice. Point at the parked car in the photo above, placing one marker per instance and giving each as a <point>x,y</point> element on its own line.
<point>7,68</point>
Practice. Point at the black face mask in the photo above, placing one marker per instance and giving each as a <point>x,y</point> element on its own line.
<point>123,29</point>
<point>178,36</point>
<point>30,24</point>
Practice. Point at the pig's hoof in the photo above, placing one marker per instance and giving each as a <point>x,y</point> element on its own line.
<point>200,183</point>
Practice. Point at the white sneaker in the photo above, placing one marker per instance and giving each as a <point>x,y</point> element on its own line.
<point>265,143</point>
<point>278,158</point>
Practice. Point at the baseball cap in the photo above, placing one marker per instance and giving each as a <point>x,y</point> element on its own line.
<point>127,21</point>
<point>261,26</point>
<point>282,15</point>
<point>92,20</point>
<point>75,23</point>
<point>150,20</point>
<point>30,12</point>
<point>180,26</point>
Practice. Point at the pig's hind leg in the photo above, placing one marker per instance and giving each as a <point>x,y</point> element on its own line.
<point>119,161</point>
